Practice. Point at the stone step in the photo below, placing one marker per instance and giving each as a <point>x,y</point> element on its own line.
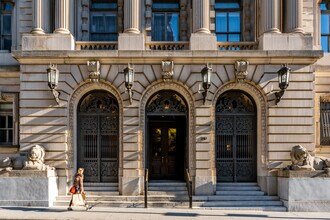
<point>128,198</point>
<point>240,193</point>
<point>239,203</point>
<point>235,198</point>
<point>96,188</point>
<point>249,208</point>
<point>101,193</point>
<point>91,184</point>
<point>129,204</point>
<point>238,188</point>
<point>238,184</point>
<point>167,192</point>
<point>166,184</point>
<point>167,188</point>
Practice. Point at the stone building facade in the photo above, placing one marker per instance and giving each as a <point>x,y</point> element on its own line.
<point>168,120</point>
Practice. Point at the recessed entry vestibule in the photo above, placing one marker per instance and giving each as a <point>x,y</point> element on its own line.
<point>166,136</point>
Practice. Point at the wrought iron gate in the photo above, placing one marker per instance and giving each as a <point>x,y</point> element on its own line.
<point>98,116</point>
<point>235,138</point>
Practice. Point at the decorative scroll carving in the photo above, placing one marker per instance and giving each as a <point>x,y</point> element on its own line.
<point>168,70</point>
<point>36,159</point>
<point>235,102</point>
<point>94,70</point>
<point>99,102</point>
<point>241,70</point>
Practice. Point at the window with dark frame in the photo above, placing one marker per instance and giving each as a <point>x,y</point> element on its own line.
<point>324,123</point>
<point>325,26</point>
<point>5,25</point>
<point>6,123</point>
<point>103,20</point>
<point>165,20</point>
<point>228,20</point>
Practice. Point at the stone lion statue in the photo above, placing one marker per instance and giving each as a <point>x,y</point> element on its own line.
<point>35,159</point>
<point>6,164</point>
<point>302,160</point>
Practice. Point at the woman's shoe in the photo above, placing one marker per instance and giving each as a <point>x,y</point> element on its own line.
<point>87,207</point>
<point>70,209</point>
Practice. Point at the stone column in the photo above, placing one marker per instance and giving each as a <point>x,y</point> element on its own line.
<point>37,17</point>
<point>270,16</point>
<point>132,16</point>
<point>293,10</point>
<point>201,16</point>
<point>62,17</point>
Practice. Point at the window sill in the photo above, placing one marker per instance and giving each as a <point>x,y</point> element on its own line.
<point>9,149</point>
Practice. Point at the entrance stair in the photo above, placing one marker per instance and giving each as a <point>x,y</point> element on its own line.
<point>239,196</point>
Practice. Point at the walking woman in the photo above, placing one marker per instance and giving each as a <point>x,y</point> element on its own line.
<point>77,189</point>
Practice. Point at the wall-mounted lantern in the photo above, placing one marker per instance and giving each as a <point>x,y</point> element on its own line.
<point>53,76</point>
<point>283,82</point>
<point>129,80</point>
<point>206,78</point>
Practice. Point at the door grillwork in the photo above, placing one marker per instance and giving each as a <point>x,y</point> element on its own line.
<point>98,125</point>
<point>235,138</point>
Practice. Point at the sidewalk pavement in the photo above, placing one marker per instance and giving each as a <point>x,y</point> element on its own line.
<point>151,214</point>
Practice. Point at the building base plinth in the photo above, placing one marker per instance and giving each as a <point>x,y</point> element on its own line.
<point>304,191</point>
<point>28,188</point>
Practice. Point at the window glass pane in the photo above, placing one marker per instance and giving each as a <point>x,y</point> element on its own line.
<point>172,27</point>
<point>158,27</point>
<point>7,6</point>
<point>3,136</point>
<point>6,24</point>
<point>325,43</point>
<point>221,22</point>
<point>104,37</point>
<point>234,22</point>
<point>165,6</point>
<point>97,23</point>
<point>10,122</point>
<point>110,23</point>
<point>104,6</point>
<point>10,136</point>
<point>7,43</point>
<point>233,37</point>
<point>3,123</point>
<point>226,5</point>
<point>323,7</point>
<point>325,23</point>
<point>222,37</point>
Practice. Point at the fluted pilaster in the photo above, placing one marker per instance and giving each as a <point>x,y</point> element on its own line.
<point>270,16</point>
<point>132,16</point>
<point>37,17</point>
<point>201,16</point>
<point>293,16</point>
<point>62,17</point>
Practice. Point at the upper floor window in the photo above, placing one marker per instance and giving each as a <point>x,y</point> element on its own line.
<point>6,123</point>
<point>165,20</point>
<point>103,22</point>
<point>228,20</point>
<point>325,26</point>
<point>5,25</point>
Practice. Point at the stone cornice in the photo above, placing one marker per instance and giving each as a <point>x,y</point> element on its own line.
<point>179,57</point>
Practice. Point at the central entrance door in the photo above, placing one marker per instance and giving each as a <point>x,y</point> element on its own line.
<point>97,149</point>
<point>166,132</point>
<point>235,138</point>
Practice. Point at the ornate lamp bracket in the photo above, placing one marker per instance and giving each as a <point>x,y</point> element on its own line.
<point>168,70</point>
<point>241,70</point>
<point>94,70</point>
<point>53,76</point>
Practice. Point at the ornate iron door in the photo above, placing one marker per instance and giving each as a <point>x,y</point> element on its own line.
<point>98,137</point>
<point>235,138</point>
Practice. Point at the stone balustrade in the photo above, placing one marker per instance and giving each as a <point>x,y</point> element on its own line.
<point>96,45</point>
<point>167,45</point>
<point>237,45</point>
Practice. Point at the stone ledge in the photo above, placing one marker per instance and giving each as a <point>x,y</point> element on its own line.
<point>302,174</point>
<point>28,173</point>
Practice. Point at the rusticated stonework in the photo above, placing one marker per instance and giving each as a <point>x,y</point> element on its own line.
<point>260,100</point>
<point>188,96</point>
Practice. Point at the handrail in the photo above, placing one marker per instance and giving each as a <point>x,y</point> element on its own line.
<point>189,187</point>
<point>146,181</point>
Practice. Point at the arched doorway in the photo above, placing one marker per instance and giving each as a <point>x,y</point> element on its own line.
<point>235,137</point>
<point>167,137</point>
<point>98,132</point>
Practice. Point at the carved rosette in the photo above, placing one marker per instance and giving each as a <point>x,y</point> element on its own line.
<point>94,70</point>
<point>241,70</point>
<point>168,70</point>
